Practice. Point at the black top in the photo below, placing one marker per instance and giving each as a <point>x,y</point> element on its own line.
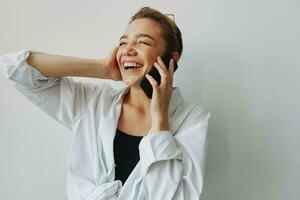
<point>126,153</point>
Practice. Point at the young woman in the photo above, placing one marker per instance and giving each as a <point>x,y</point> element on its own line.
<point>124,144</point>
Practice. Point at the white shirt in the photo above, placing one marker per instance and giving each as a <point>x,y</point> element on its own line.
<point>172,162</point>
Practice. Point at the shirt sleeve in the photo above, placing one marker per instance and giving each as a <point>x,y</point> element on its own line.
<point>173,166</point>
<point>62,98</point>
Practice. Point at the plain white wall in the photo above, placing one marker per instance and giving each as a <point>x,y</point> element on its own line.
<point>240,61</point>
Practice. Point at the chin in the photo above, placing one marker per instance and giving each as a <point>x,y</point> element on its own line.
<point>131,81</point>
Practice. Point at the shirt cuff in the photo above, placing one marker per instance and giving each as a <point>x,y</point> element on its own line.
<point>158,146</point>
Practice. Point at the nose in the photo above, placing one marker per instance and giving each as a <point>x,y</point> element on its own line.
<point>128,50</point>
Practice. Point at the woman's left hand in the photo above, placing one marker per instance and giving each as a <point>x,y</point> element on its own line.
<point>161,96</point>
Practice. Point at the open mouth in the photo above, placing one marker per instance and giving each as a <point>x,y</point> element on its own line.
<point>132,66</point>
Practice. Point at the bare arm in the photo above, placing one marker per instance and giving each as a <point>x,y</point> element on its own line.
<point>57,66</point>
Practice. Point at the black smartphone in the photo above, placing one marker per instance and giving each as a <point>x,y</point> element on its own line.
<point>146,85</point>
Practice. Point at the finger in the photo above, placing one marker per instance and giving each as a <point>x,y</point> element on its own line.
<point>162,73</point>
<point>114,55</point>
<point>152,81</point>
<point>171,68</point>
<point>161,62</point>
<point>166,70</point>
<point>171,71</point>
<point>115,50</point>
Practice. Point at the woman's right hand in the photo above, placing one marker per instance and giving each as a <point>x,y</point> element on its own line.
<point>112,66</point>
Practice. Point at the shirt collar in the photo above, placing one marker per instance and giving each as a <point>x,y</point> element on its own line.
<point>175,100</point>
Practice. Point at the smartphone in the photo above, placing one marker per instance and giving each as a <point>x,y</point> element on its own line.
<point>146,85</point>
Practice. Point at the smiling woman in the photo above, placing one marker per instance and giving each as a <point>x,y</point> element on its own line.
<point>125,145</point>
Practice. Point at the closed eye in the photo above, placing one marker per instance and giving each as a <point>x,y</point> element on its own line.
<point>146,43</point>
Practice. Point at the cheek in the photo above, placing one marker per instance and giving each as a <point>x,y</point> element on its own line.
<point>153,58</point>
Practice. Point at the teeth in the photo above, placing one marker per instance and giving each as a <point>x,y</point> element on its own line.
<point>132,64</point>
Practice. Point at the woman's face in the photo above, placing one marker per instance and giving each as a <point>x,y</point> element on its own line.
<point>139,48</point>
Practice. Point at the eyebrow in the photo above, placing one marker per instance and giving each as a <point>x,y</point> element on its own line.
<point>137,36</point>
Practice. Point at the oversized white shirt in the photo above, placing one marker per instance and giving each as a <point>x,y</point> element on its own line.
<point>172,162</point>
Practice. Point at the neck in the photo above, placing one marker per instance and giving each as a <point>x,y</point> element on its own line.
<point>137,98</point>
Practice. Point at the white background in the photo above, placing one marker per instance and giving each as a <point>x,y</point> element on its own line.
<point>240,61</point>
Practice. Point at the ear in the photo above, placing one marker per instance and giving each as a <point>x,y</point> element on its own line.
<point>175,55</point>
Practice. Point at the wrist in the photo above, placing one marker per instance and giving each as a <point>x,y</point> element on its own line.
<point>99,69</point>
<point>160,125</point>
